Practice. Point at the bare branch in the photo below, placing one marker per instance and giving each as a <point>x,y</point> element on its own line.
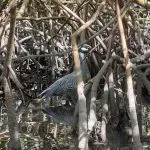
<point>130,91</point>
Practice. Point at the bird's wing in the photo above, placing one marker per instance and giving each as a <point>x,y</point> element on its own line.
<point>60,87</point>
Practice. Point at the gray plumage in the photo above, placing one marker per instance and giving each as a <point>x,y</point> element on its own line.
<point>62,87</point>
<point>67,85</point>
<point>60,114</point>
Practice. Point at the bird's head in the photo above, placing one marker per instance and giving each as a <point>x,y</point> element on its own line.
<point>84,48</point>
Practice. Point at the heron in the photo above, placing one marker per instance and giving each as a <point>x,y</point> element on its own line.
<point>67,85</point>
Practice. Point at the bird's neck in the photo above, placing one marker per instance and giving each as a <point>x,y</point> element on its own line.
<point>84,67</point>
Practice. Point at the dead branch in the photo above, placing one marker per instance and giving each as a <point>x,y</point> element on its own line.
<point>130,90</point>
<point>12,122</point>
<point>83,137</point>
